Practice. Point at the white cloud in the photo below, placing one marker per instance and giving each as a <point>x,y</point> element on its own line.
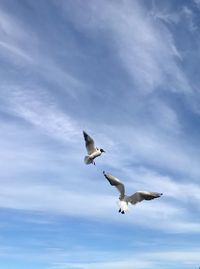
<point>197,2</point>
<point>14,50</point>
<point>79,200</point>
<point>41,112</point>
<point>127,259</point>
<point>149,59</point>
<point>11,27</point>
<point>189,15</point>
<point>21,46</point>
<point>143,260</point>
<point>185,256</point>
<point>164,14</point>
<point>146,50</point>
<point>35,177</point>
<point>164,117</point>
<point>107,265</point>
<point>14,39</point>
<point>182,190</point>
<point>153,143</point>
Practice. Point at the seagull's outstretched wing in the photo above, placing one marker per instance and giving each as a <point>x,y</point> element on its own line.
<point>89,143</point>
<point>115,182</point>
<point>143,195</point>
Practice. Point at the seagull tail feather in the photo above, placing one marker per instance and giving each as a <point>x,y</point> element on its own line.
<point>87,160</point>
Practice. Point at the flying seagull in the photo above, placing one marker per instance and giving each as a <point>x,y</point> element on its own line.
<point>133,199</point>
<point>92,151</point>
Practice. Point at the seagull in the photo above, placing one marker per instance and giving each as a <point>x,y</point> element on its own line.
<point>134,198</point>
<point>92,151</point>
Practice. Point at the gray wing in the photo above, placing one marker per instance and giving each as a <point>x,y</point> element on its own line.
<point>143,195</point>
<point>115,182</point>
<point>89,143</point>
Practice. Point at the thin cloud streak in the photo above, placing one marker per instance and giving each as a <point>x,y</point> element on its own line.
<point>116,70</point>
<point>27,50</point>
<point>15,50</point>
<point>144,260</point>
<point>59,200</point>
<point>148,55</point>
<point>42,114</point>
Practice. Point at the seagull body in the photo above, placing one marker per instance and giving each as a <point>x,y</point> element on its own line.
<point>93,152</point>
<point>134,198</point>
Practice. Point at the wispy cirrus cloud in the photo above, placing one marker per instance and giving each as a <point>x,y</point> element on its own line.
<point>144,260</point>
<point>139,55</point>
<point>119,71</point>
<point>197,2</point>
<point>148,55</point>
<point>59,200</point>
<point>108,260</point>
<point>165,13</point>
<point>9,48</point>
<point>26,104</point>
<point>14,40</point>
<point>21,46</point>
<point>189,15</point>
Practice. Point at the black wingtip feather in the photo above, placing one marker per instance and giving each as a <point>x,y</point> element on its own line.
<point>85,135</point>
<point>104,173</point>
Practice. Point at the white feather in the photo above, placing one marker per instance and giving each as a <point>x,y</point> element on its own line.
<point>123,205</point>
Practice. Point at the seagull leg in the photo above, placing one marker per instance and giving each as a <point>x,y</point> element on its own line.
<point>94,163</point>
<point>123,212</point>
<point>119,210</point>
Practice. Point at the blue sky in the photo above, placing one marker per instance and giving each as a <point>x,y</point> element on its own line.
<point>127,72</point>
